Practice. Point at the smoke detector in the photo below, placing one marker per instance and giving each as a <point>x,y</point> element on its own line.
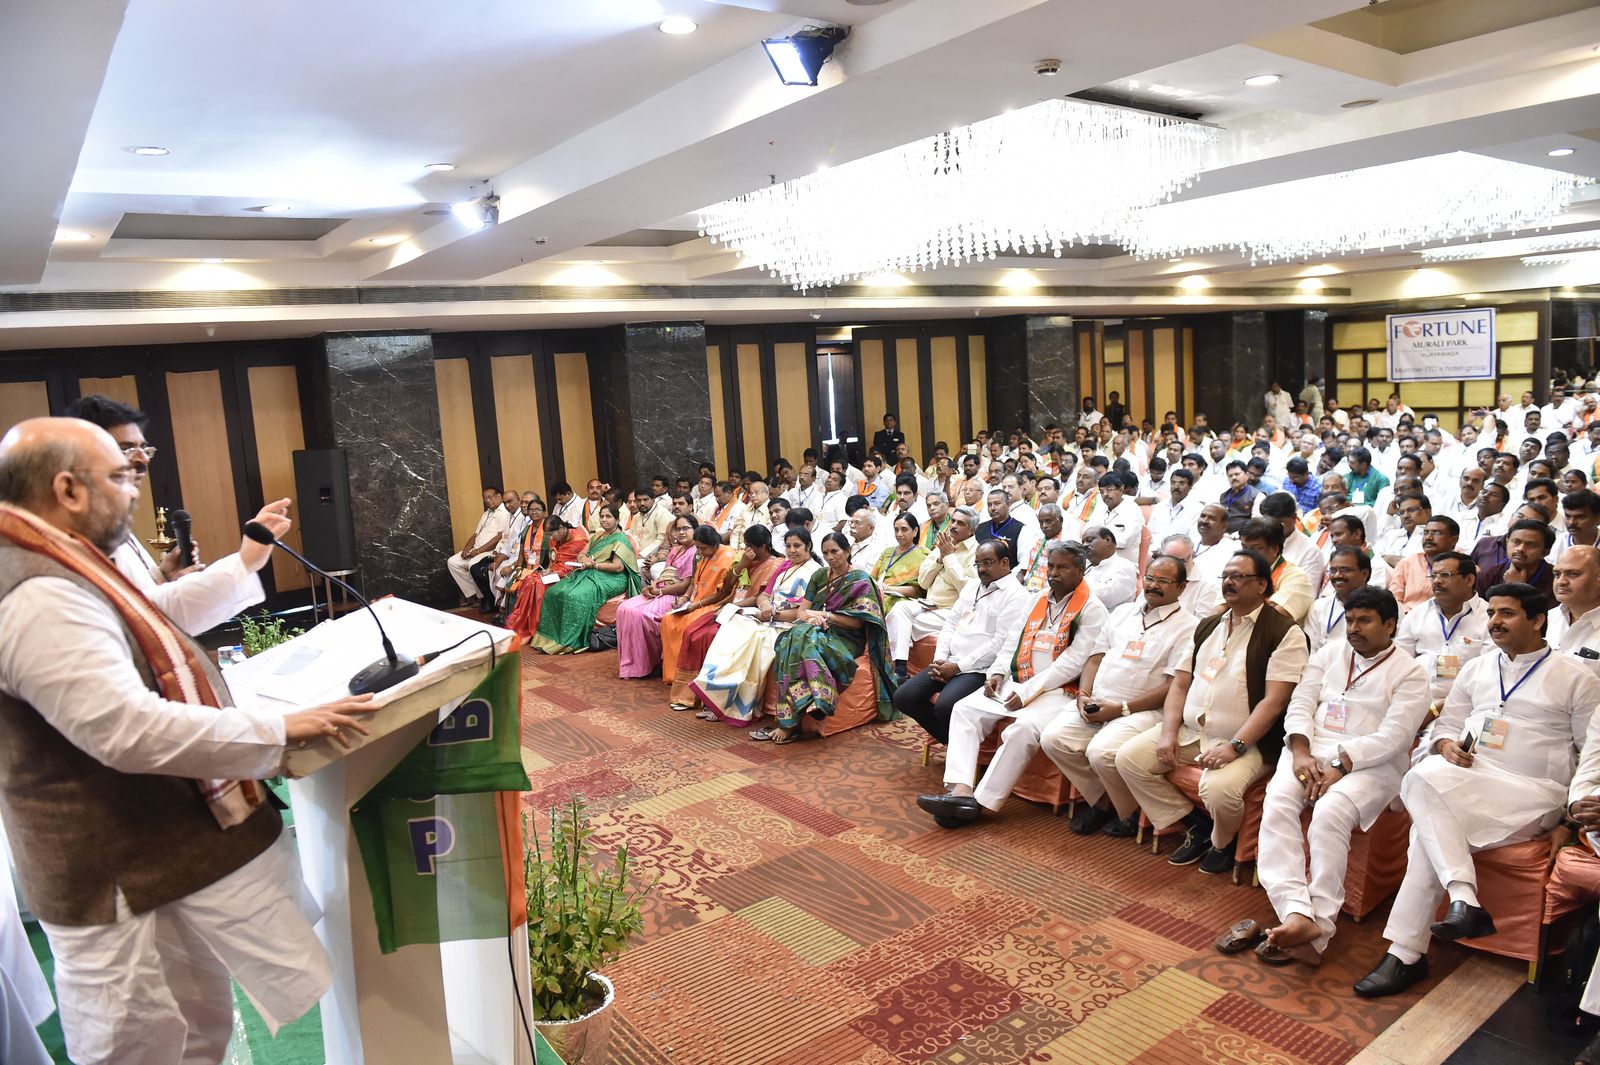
<point>1047,68</point>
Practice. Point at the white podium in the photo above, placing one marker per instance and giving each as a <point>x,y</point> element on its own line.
<point>422,1005</point>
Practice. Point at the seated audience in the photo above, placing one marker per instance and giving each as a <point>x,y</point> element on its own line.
<point>1450,629</point>
<point>946,570</point>
<point>1412,582</point>
<point>1527,544</point>
<point>1349,568</point>
<point>898,565</point>
<point>1114,579</point>
<point>815,658</point>
<point>639,618</point>
<point>710,587</point>
<point>1028,686</point>
<point>606,568</point>
<point>564,544</point>
<point>1291,586</point>
<point>484,539</point>
<point>1031,558</point>
<point>753,569</point>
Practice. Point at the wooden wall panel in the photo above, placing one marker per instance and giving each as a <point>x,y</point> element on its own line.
<point>463,483</point>
<point>908,405</point>
<point>124,390</point>
<point>792,364</point>
<point>1138,403</point>
<point>978,366</point>
<point>874,401</point>
<point>946,385</point>
<point>275,410</point>
<point>752,414</point>
<point>1164,367</point>
<point>516,406</point>
<point>21,400</point>
<point>205,463</point>
<point>1187,414</point>
<point>577,419</point>
<point>719,420</point>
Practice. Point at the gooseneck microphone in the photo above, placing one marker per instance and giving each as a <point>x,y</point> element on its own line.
<point>387,671</point>
<point>181,523</point>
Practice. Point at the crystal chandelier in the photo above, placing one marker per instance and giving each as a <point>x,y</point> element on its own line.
<point>1058,173</point>
<point>1397,205</point>
<point>1507,249</point>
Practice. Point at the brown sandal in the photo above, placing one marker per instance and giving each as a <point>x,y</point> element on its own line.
<point>1241,937</point>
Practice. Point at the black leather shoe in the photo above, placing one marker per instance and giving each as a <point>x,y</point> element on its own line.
<point>1122,827</point>
<point>1217,860</point>
<point>1391,977</point>
<point>1088,819</point>
<point>1464,922</point>
<point>1196,842</point>
<point>951,811</point>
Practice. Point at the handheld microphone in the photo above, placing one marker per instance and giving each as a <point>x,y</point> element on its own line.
<point>387,671</point>
<point>180,522</point>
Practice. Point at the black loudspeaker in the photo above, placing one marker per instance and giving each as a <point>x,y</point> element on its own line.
<point>322,498</point>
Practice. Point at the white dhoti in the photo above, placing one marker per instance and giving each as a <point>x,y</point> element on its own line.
<point>910,622</point>
<point>1455,812</point>
<point>1086,754</point>
<point>32,991</point>
<point>154,986</point>
<point>461,569</point>
<point>1354,801</point>
<point>974,718</point>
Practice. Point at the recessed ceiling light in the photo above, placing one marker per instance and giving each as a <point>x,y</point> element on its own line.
<point>440,168</point>
<point>1353,104</point>
<point>72,236</point>
<point>1557,153</point>
<point>1258,80</point>
<point>678,26</point>
<point>271,208</point>
<point>212,261</point>
<point>387,241</point>
<point>149,149</point>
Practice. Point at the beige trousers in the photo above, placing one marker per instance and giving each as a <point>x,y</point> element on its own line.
<point>1221,790</point>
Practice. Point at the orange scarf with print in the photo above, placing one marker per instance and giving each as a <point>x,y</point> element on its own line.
<point>1060,638</point>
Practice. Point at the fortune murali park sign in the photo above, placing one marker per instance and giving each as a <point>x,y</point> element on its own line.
<point>1442,345</point>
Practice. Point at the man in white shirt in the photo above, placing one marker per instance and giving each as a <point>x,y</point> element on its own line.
<point>149,915</point>
<point>1500,761</point>
<point>830,515</point>
<point>1348,732</point>
<point>1279,404</point>
<point>1297,546</point>
<point>505,553</point>
<point>1178,512</point>
<point>1121,517</point>
<point>1464,501</point>
<point>704,496</point>
<point>973,632</point>
<point>1581,509</point>
<point>484,539</point>
<point>1222,713</point>
<point>1033,553</point>
<point>566,504</point>
<point>806,492</point>
<point>1044,653</point>
<point>1115,580</point>
<point>1451,629</point>
<point>1349,568</point>
<point>1202,596</point>
<point>1491,518</point>
<point>1575,624</point>
<point>1123,687</point>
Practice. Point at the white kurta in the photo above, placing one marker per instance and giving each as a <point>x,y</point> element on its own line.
<point>1325,623</point>
<point>1115,581</point>
<point>1578,637</point>
<point>1443,645</point>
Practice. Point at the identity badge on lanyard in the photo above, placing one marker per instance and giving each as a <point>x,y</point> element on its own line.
<point>1133,650</point>
<point>1496,729</point>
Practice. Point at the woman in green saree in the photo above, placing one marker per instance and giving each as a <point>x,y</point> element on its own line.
<point>609,567</point>
<point>815,660</point>
<point>896,570</point>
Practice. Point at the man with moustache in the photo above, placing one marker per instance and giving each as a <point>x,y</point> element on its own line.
<point>1412,582</point>
<point>1501,757</point>
<point>1348,569</point>
<point>1031,561</point>
<point>1202,596</point>
<point>1451,629</point>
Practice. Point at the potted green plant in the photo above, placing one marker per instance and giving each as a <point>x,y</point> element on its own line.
<point>582,912</point>
<point>263,633</point>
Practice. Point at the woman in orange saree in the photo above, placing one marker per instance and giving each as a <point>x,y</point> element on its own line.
<point>711,587</point>
<point>563,545</point>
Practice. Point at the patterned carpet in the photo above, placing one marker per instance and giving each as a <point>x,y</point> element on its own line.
<point>807,912</point>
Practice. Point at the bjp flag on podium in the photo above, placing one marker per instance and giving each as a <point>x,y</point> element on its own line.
<point>441,835</point>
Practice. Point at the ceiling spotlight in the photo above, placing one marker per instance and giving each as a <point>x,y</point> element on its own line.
<point>480,213</point>
<point>1557,153</point>
<point>1258,80</point>
<point>386,241</point>
<point>1353,104</point>
<point>148,149</point>
<point>799,57</point>
<point>678,26</point>
<point>440,168</point>
<point>72,236</point>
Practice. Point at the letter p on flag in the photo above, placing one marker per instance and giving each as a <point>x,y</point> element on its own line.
<point>431,839</point>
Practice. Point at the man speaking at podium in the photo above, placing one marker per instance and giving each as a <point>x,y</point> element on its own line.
<point>128,784</point>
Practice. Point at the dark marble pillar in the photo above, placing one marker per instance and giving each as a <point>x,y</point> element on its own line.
<point>1232,367</point>
<point>1033,371</point>
<point>383,408</point>
<point>654,400</point>
<point>1299,342</point>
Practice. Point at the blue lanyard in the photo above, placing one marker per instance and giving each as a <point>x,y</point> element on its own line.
<point>1449,634</point>
<point>1332,621</point>
<point>1505,696</point>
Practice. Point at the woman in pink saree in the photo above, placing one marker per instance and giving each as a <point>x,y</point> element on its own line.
<point>639,618</point>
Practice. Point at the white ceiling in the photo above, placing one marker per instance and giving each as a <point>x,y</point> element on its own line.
<point>589,123</point>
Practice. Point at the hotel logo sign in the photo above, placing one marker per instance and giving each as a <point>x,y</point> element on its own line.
<point>1442,346</point>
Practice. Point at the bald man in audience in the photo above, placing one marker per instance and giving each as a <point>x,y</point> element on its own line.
<point>1575,623</point>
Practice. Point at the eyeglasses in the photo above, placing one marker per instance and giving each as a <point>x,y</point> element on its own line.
<point>1151,579</point>
<point>144,451</point>
<point>123,475</point>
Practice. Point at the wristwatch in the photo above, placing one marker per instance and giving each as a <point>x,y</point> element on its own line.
<point>1338,762</point>
<point>1125,711</point>
<point>1239,746</point>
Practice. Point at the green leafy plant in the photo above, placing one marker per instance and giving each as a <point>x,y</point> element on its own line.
<point>582,913</point>
<point>264,632</point>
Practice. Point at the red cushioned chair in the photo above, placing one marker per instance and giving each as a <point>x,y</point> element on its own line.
<point>857,705</point>
<point>1511,886</point>
<point>608,611</point>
